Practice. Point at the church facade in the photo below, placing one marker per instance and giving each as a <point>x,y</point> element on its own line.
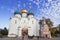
<point>22,24</point>
<point>25,24</point>
<point>45,32</point>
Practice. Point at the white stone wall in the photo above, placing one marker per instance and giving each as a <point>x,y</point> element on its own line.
<point>13,26</point>
<point>24,22</point>
<point>33,26</point>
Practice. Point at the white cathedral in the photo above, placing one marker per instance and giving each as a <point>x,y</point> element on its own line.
<point>25,23</point>
<point>22,24</point>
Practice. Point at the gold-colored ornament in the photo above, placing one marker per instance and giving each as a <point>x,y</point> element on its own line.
<point>24,11</point>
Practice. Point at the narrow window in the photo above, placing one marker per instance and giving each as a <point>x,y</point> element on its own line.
<point>15,21</point>
<point>32,22</point>
<point>24,21</point>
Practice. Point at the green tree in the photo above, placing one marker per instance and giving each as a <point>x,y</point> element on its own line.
<point>58,29</point>
<point>4,31</point>
<point>53,31</point>
<point>0,33</point>
<point>49,23</point>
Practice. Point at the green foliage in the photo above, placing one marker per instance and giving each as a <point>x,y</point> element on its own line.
<point>59,27</point>
<point>1,36</point>
<point>3,32</point>
<point>49,23</point>
<point>53,31</point>
<point>30,13</point>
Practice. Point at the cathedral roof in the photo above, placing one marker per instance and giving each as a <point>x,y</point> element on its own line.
<point>23,11</point>
<point>30,13</point>
<point>16,12</point>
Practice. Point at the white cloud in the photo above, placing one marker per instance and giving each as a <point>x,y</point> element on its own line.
<point>31,0</point>
<point>34,1</point>
<point>54,9</point>
<point>29,3</point>
<point>37,0</point>
<point>49,9</point>
<point>47,4</point>
<point>49,0</point>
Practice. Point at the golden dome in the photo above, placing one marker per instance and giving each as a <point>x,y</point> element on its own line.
<point>24,11</point>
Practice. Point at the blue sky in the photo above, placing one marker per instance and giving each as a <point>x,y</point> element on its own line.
<point>47,8</point>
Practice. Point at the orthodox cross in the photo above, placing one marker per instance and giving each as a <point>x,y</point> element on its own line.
<point>30,7</point>
<point>24,5</point>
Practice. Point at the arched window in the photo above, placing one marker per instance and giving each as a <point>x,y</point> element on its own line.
<point>24,21</point>
<point>32,22</point>
<point>15,21</point>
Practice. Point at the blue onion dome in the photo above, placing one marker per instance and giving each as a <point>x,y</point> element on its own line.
<point>17,12</point>
<point>30,13</point>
